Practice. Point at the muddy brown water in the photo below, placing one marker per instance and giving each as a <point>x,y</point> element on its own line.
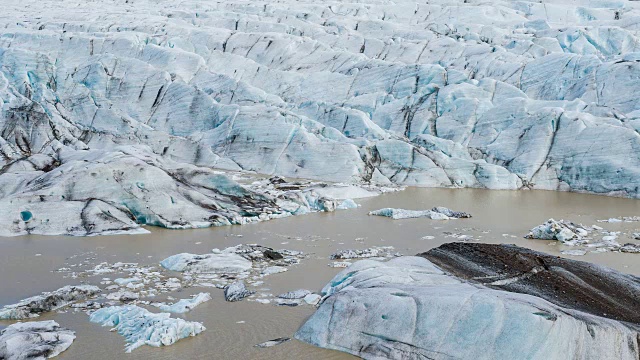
<point>499,217</point>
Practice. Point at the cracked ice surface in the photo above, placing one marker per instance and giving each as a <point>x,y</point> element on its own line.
<point>114,114</point>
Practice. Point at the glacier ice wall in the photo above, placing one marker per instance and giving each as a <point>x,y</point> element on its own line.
<point>120,108</point>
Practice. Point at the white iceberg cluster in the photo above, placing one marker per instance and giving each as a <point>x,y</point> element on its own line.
<point>230,268</point>
<point>36,340</point>
<point>571,234</point>
<point>141,327</point>
<point>564,231</point>
<point>112,115</point>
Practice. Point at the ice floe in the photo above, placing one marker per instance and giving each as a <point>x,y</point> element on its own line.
<point>236,291</point>
<point>437,213</point>
<point>141,327</point>
<point>48,301</point>
<point>469,300</point>
<point>184,305</point>
<point>36,340</point>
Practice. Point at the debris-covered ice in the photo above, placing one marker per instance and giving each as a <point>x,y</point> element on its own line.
<point>236,291</point>
<point>372,252</point>
<point>471,300</point>
<point>296,294</point>
<point>273,342</point>
<point>48,301</point>
<point>36,340</point>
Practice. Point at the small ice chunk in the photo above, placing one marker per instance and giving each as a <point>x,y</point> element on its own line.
<point>297,294</point>
<point>575,252</point>
<point>340,264</point>
<point>236,291</point>
<point>312,299</point>
<point>123,296</point>
<point>630,248</point>
<point>273,342</point>
<point>273,270</point>
<point>184,305</point>
<point>126,281</point>
<point>381,251</point>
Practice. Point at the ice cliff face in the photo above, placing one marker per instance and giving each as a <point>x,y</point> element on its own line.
<point>459,94</point>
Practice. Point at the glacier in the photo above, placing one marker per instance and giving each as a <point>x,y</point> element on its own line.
<point>114,116</point>
<point>481,301</point>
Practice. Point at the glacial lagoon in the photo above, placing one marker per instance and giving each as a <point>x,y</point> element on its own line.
<point>30,263</point>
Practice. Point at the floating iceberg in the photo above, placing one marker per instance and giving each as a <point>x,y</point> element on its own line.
<point>571,234</point>
<point>49,301</point>
<point>207,263</point>
<point>184,305</point>
<point>141,327</point>
<point>467,300</point>
<point>372,252</point>
<point>36,340</point>
<point>236,291</point>
<point>296,294</point>
<point>437,213</point>
<point>273,342</point>
<point>558,230</point>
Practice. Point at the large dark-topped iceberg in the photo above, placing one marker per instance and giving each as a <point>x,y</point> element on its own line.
<point>479,301</point>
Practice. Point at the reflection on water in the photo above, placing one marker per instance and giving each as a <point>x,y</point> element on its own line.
<point>499,217</point>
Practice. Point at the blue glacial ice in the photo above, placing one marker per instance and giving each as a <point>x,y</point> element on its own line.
<point>407,308</point>
<point>106,127</point>
<point>141,327</point>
